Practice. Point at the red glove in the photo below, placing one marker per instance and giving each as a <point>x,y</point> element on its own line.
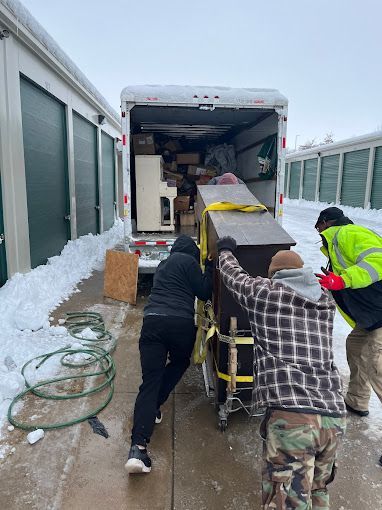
<point>331,281</point>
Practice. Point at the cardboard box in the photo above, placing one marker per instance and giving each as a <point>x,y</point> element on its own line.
<point>171,167</point>
<point>172,175</point>
<point>173,146</point>
<point>144,144</point>
<point>187,219</point>
<point>191,158</point>
<point>182,203</point>
<point>201,170</point>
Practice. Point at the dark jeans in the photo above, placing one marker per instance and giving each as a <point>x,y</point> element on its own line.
<point>162,337</point>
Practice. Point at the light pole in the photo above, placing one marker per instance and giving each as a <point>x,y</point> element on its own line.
<point>295,142</point>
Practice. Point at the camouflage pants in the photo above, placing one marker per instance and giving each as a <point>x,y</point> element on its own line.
<point>299,459</point>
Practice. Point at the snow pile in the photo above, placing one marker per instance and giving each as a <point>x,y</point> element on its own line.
<point>26,301</point>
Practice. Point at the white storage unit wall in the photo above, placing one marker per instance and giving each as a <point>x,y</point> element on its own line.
<point>347,172</point>
<point>42,153</point>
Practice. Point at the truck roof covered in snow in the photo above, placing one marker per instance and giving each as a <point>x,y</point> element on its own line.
<point>24,17</point>
<point>188,94</point>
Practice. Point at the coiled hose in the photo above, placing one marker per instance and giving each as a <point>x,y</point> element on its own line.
<point>96,356</point>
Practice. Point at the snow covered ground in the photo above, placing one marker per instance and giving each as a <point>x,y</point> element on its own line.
<point>27,300</point>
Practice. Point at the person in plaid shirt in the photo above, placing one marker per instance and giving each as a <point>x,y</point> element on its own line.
<point>291,319</point>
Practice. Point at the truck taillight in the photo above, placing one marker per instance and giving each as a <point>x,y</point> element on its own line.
<point>125,199</point>
<point>281,198</point>
<point>284,142</point>
<point>123,139</point>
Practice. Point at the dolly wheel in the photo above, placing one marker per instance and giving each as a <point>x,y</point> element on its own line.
<point>223,424</point>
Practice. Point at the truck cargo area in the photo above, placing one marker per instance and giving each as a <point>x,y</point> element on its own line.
<point>196,129</point>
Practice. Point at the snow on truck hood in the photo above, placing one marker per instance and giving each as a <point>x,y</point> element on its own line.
<point>200,94</point>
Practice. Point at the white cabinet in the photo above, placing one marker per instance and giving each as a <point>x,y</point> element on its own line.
<point>154,197</point>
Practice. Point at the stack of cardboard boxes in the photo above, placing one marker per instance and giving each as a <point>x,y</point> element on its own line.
<point>181,169</point>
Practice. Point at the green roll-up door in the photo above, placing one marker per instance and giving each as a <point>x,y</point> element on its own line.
<point>354,178</point>
<point>3,258</point>
<point>329,178</point>
<point>295,175</point>
<point>86,171</point>
<point>376,189</point>
<point>286,178</point>
<point>46,172</point>
<point>108,182</point>
<point>309,181</point>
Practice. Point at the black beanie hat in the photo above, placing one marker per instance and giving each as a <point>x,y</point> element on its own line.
<point>329,214</point>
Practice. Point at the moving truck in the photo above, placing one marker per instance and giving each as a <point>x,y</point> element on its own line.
<point>171,131</point>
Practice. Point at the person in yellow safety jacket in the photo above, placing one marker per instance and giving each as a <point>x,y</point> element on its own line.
<point>355,279</point>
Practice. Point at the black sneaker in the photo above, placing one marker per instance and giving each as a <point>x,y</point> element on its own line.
<point>138,461</point>
<point>356,411</point>
<point>159,416</point>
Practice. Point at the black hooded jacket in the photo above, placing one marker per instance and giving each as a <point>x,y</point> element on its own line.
<point>178,280</point>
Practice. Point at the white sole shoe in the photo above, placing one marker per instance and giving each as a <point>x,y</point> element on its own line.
<point>158,419</point>
<point>136,466</point>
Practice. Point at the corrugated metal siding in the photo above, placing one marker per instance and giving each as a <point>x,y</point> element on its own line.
<point>295,175</point>
<point>376,189</point>
<point>45,153</point>
<point>329,178</point>
<point>309,181</point>
<point>354,178</point>
<point>86,171</point>
<point>108,181</point>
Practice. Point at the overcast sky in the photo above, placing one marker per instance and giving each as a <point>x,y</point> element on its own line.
<point>324,55</point>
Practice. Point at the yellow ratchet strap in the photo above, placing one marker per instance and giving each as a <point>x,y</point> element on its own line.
<point>200,348</point>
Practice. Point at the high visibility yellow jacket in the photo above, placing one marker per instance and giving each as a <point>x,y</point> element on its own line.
<point>355,253</point>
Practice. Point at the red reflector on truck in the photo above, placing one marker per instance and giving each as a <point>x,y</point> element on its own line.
<point>284,142</point>
<point>281,198</point>
<point>125,199</point>
<point>123,139</point>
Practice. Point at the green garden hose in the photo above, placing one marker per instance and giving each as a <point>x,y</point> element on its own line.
<point>76,322</point>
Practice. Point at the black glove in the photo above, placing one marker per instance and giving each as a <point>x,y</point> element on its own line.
<point>226,243</point>
<point>209,264</point>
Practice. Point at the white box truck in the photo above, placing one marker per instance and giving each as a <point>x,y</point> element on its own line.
<point>245,118</point>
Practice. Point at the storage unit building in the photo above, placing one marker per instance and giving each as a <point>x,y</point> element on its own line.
<point>58,138</point>
<point>347,172</point>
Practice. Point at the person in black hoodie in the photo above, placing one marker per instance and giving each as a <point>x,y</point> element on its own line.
<point>168,331</point>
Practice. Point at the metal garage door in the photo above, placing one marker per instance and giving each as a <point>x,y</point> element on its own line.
<point>354,178</point>
<point>309,181</point>
<point>294,183</point>
<point>376,190</point>
<point>3,259</point>
<point>45,152</point>
<point>286,177</point>
<point>329,178</point>
<point>108,181</point>
<point>86,171</point>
